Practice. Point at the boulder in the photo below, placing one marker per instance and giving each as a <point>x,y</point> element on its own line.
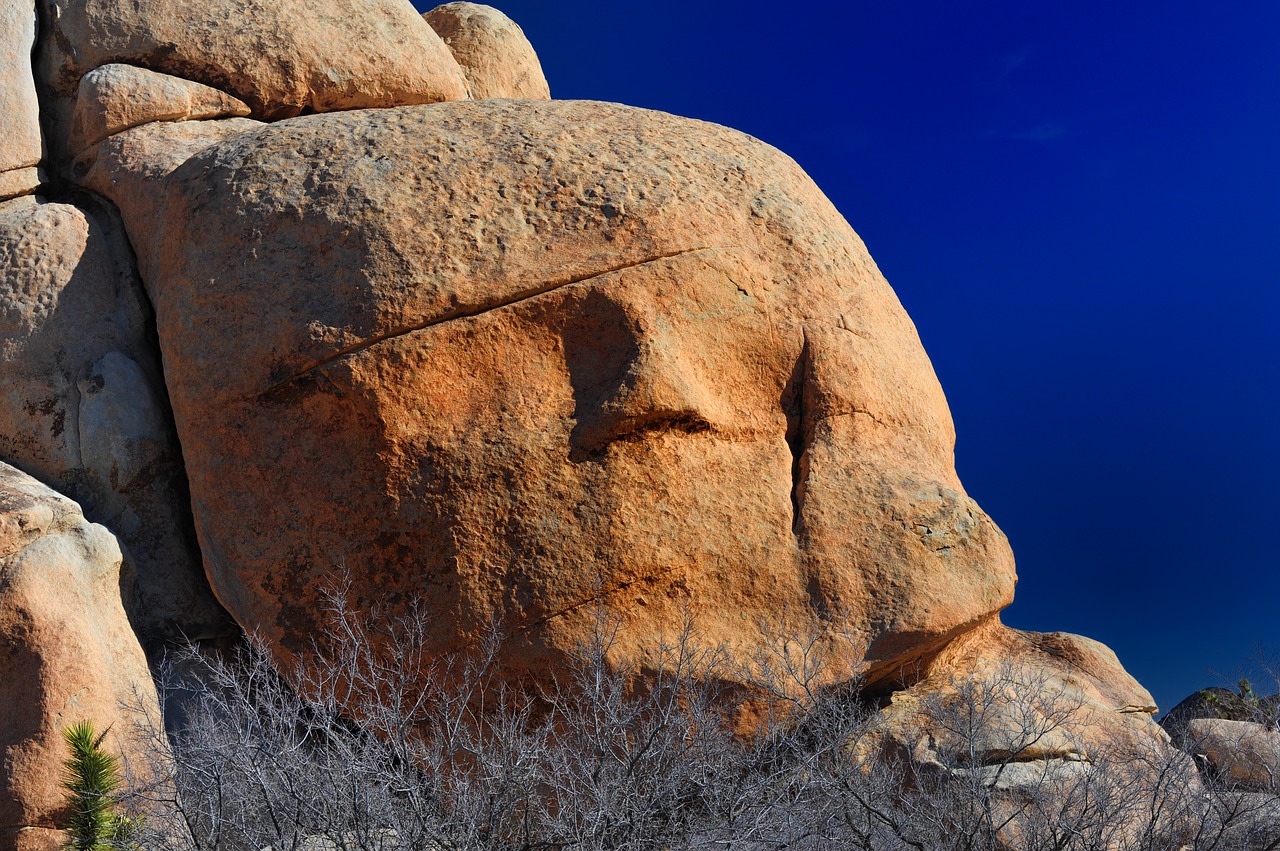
<point>83,406</point>
<point>1040,696</point>
<point>67,654</point>
<point>281,58</point>
<point>1218,702</point>
<point>496,58</point>
<point>116,97</point>
<point>1040,726</point>
<point>522,359</point>
<point>20,142</point>
<point>1245,753</point>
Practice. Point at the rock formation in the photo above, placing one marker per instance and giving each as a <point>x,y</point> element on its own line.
<point>67,653</point>
<point>517,358</point>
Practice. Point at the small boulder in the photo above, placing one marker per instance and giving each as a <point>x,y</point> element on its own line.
<point>20,181</point>
<point>116,97</point>
<point>67,653</point>
<point>496,58</point>
<point>281,58</point>
<point>1245,753</point>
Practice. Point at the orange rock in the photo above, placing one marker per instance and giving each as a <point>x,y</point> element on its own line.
<point>496,58</point>
<point>518,357</point>
<point>1038,697</point>
<point>67,653</point>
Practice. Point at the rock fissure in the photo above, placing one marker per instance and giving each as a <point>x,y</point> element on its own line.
<point>495,304</point>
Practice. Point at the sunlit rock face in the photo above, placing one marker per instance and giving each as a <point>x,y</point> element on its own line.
<point>518,358</point>
<point>67,654</point>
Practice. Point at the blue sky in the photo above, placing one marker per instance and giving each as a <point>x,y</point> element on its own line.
<point>1078,204</point>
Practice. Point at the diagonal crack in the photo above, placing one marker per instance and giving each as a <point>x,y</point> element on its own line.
<point>464,313</point>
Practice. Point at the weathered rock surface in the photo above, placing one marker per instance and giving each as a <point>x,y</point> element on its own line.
<point>1217,702</point>
<point>1041,696</point>
<point>281,58</point>
<point>1246,753</point>
<point>496,58</point>
<point>514,357</point>
<point>82,405</point>
<point>67,653</point>
<point>20,181</point>
<point>116,97</point>
<point>20,143</point>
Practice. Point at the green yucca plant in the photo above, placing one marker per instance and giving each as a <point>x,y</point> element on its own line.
<point>91,777</point>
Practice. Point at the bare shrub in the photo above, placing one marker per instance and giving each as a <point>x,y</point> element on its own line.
<point>373,744</point>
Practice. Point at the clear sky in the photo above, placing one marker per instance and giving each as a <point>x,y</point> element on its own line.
<point>1078,203</point>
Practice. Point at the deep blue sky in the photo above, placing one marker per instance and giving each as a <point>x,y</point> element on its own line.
<point>1078,204</point>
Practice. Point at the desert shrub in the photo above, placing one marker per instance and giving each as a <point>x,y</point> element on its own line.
<point>373,743</point>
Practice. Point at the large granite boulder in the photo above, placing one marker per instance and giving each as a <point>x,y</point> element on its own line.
<point>82,404</point>
<point>67,654</point>
<point>519,358</point>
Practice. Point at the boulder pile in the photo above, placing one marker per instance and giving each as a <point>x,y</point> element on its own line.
<point>293,287</point>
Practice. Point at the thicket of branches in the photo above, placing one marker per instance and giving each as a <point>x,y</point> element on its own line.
<point>375,745</point>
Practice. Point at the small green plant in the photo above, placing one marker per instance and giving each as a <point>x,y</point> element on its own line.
<point>92,780</point>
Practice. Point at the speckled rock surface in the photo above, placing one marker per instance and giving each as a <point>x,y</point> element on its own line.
<point>20,144</point>
<point>516,357</point>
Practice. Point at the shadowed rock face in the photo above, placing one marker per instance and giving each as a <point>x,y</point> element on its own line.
<point>515,358</point>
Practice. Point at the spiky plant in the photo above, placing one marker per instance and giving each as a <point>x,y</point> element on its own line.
<point>91,777</point>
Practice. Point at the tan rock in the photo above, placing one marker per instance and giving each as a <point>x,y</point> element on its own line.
<point>82,403</point>
<point>67,653</point>
<point>281,57</point>
<point>514,357</point>
<point>20,142</point>
<point>1040,722</point>
<point>1040,697</point>
<point>20,181</point>
<point>496,58</point>
<point>116,97</point>
<point>1246,753</point>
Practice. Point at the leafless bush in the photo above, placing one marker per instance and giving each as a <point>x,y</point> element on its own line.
<point>374,744</point>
